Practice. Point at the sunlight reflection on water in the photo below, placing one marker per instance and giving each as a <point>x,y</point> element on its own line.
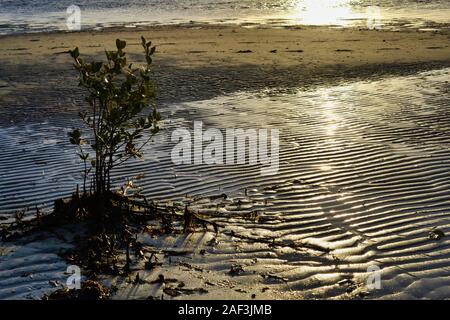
<point>327,12</point>
<point>34,15</point>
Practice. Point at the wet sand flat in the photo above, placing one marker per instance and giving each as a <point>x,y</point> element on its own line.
<point>364,162</point>
<point>197,45</point>
<point>205,61</point>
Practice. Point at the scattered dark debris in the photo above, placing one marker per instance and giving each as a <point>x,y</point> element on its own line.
<point>220,196</point>
<point>253,296</point>
<point>236,269</point>
<point>436,234</point>
<point>272,187</point>
<point>108,233</point>
<point>351,288</point>
<point>54,283</point>
<point>177,288</point>
<point>104,238</point>
<point>388,49</point>
<point>90,290</point>
<point>175,292</point>
<point>17,49</point>
<point>345,282</point>
<point>62,52</point>
<point>273,243</point>
<point>272,277</point>
<point>160,279</point>
<point>298,181</point>
<point>138,280</point>
<point>349,285</point>
<point>244,51</point>
<point>176,252</point>
<point>254,216</point>
<point>18,216</point>
<point>363,294</point>
<point>343,50</point>
<point>240,290</point>
<point>163,280</point>
<point>27,274</point>
<point>265,289</point>
<point>172,292</point>
<point>152,262</point>
<point>189,266</point>
<point>274,51</point>
<point>188,220</point>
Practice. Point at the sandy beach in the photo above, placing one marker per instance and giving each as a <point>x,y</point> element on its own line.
<point>206,61</point>
<point>363,176</point>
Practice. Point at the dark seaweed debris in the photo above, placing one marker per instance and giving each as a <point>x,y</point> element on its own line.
<point>90,290</point>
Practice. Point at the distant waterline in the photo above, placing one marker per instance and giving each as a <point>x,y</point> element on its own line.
<point>17,16</point>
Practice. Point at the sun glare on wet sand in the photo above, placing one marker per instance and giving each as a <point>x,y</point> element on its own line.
<point>326,12</point>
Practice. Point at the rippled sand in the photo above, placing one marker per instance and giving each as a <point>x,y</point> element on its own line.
<point>364,177</point>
